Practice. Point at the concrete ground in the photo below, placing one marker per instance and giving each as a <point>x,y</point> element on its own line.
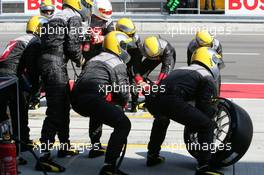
<point>178,160</point>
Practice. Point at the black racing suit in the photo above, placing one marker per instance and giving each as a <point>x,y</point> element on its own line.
<point>99,27</point>
<point>133,66</point>
<point>60,43</point>
<point>19,58</point>
<point>185,84</point>
<point>89,98</point>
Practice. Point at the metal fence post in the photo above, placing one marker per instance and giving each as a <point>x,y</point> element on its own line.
<point>125,6</point>
<point>161,7</point>
<point>199,7</point>
<point>1,7</point>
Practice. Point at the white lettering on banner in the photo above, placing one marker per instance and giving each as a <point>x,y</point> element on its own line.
<point>244,7</point>
<point>32,6</point>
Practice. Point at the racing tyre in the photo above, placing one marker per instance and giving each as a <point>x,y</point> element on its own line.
<point>232,137</point>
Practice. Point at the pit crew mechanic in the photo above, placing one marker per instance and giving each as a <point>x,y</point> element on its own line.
<point>104,70</point>
<point>57,49</point>
<point>196,82</point>
<point>19,59</point>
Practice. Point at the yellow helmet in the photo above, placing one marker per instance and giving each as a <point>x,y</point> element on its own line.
<point>204,38</point>
<point>118,42</point>
<point>83,7</point>
<point>35,23</point>
<point>126,25</point>
<point>208,58</point>
<point>152,47</point>
<point>47,8</point>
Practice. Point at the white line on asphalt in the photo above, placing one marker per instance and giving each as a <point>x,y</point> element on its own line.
<point>244,83</point>
<point>246,54</point>
<point>248,34</point>
<point>179,34</point>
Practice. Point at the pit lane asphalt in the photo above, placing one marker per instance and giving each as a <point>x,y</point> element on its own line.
<point>243,55</point>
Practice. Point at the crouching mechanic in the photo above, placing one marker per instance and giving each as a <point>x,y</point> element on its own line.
<point>100,25</point>
<point>157,51</point>
<point>60,42</point>
<point>193,83</point>
<point>20,59</point>
<point>92,95</point>
<point>203,39</point>
<point>127,26</point>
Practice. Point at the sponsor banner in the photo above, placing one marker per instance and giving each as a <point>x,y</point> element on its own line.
<point>32,6</point>
<point>244,7</point>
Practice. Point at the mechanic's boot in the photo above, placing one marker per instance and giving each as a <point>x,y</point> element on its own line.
<point>21,161</point>
<point>206,170</point>
<point>142,106</point>
<point>154,159</point>
<point>96,151</point>
<point>111,170</point>
<point>47,164</point>
<point>34,105</point>
<point>134,108</point>
<point>67,153</point>
<point>28,145</point>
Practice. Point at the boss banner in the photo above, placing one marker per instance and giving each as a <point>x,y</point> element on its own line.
<point>244,7</point>
<point>32,6</point>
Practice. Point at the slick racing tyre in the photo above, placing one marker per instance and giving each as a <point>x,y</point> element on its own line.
<point>232,137</point>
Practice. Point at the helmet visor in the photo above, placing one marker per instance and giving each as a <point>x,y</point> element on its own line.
<point>126,30</point>
<point>105,12</point>
<point>86,10</point>
<point>47,12</point>
<point>218,60</point>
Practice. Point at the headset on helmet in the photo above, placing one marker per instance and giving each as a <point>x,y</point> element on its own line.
<point>118,42</point>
